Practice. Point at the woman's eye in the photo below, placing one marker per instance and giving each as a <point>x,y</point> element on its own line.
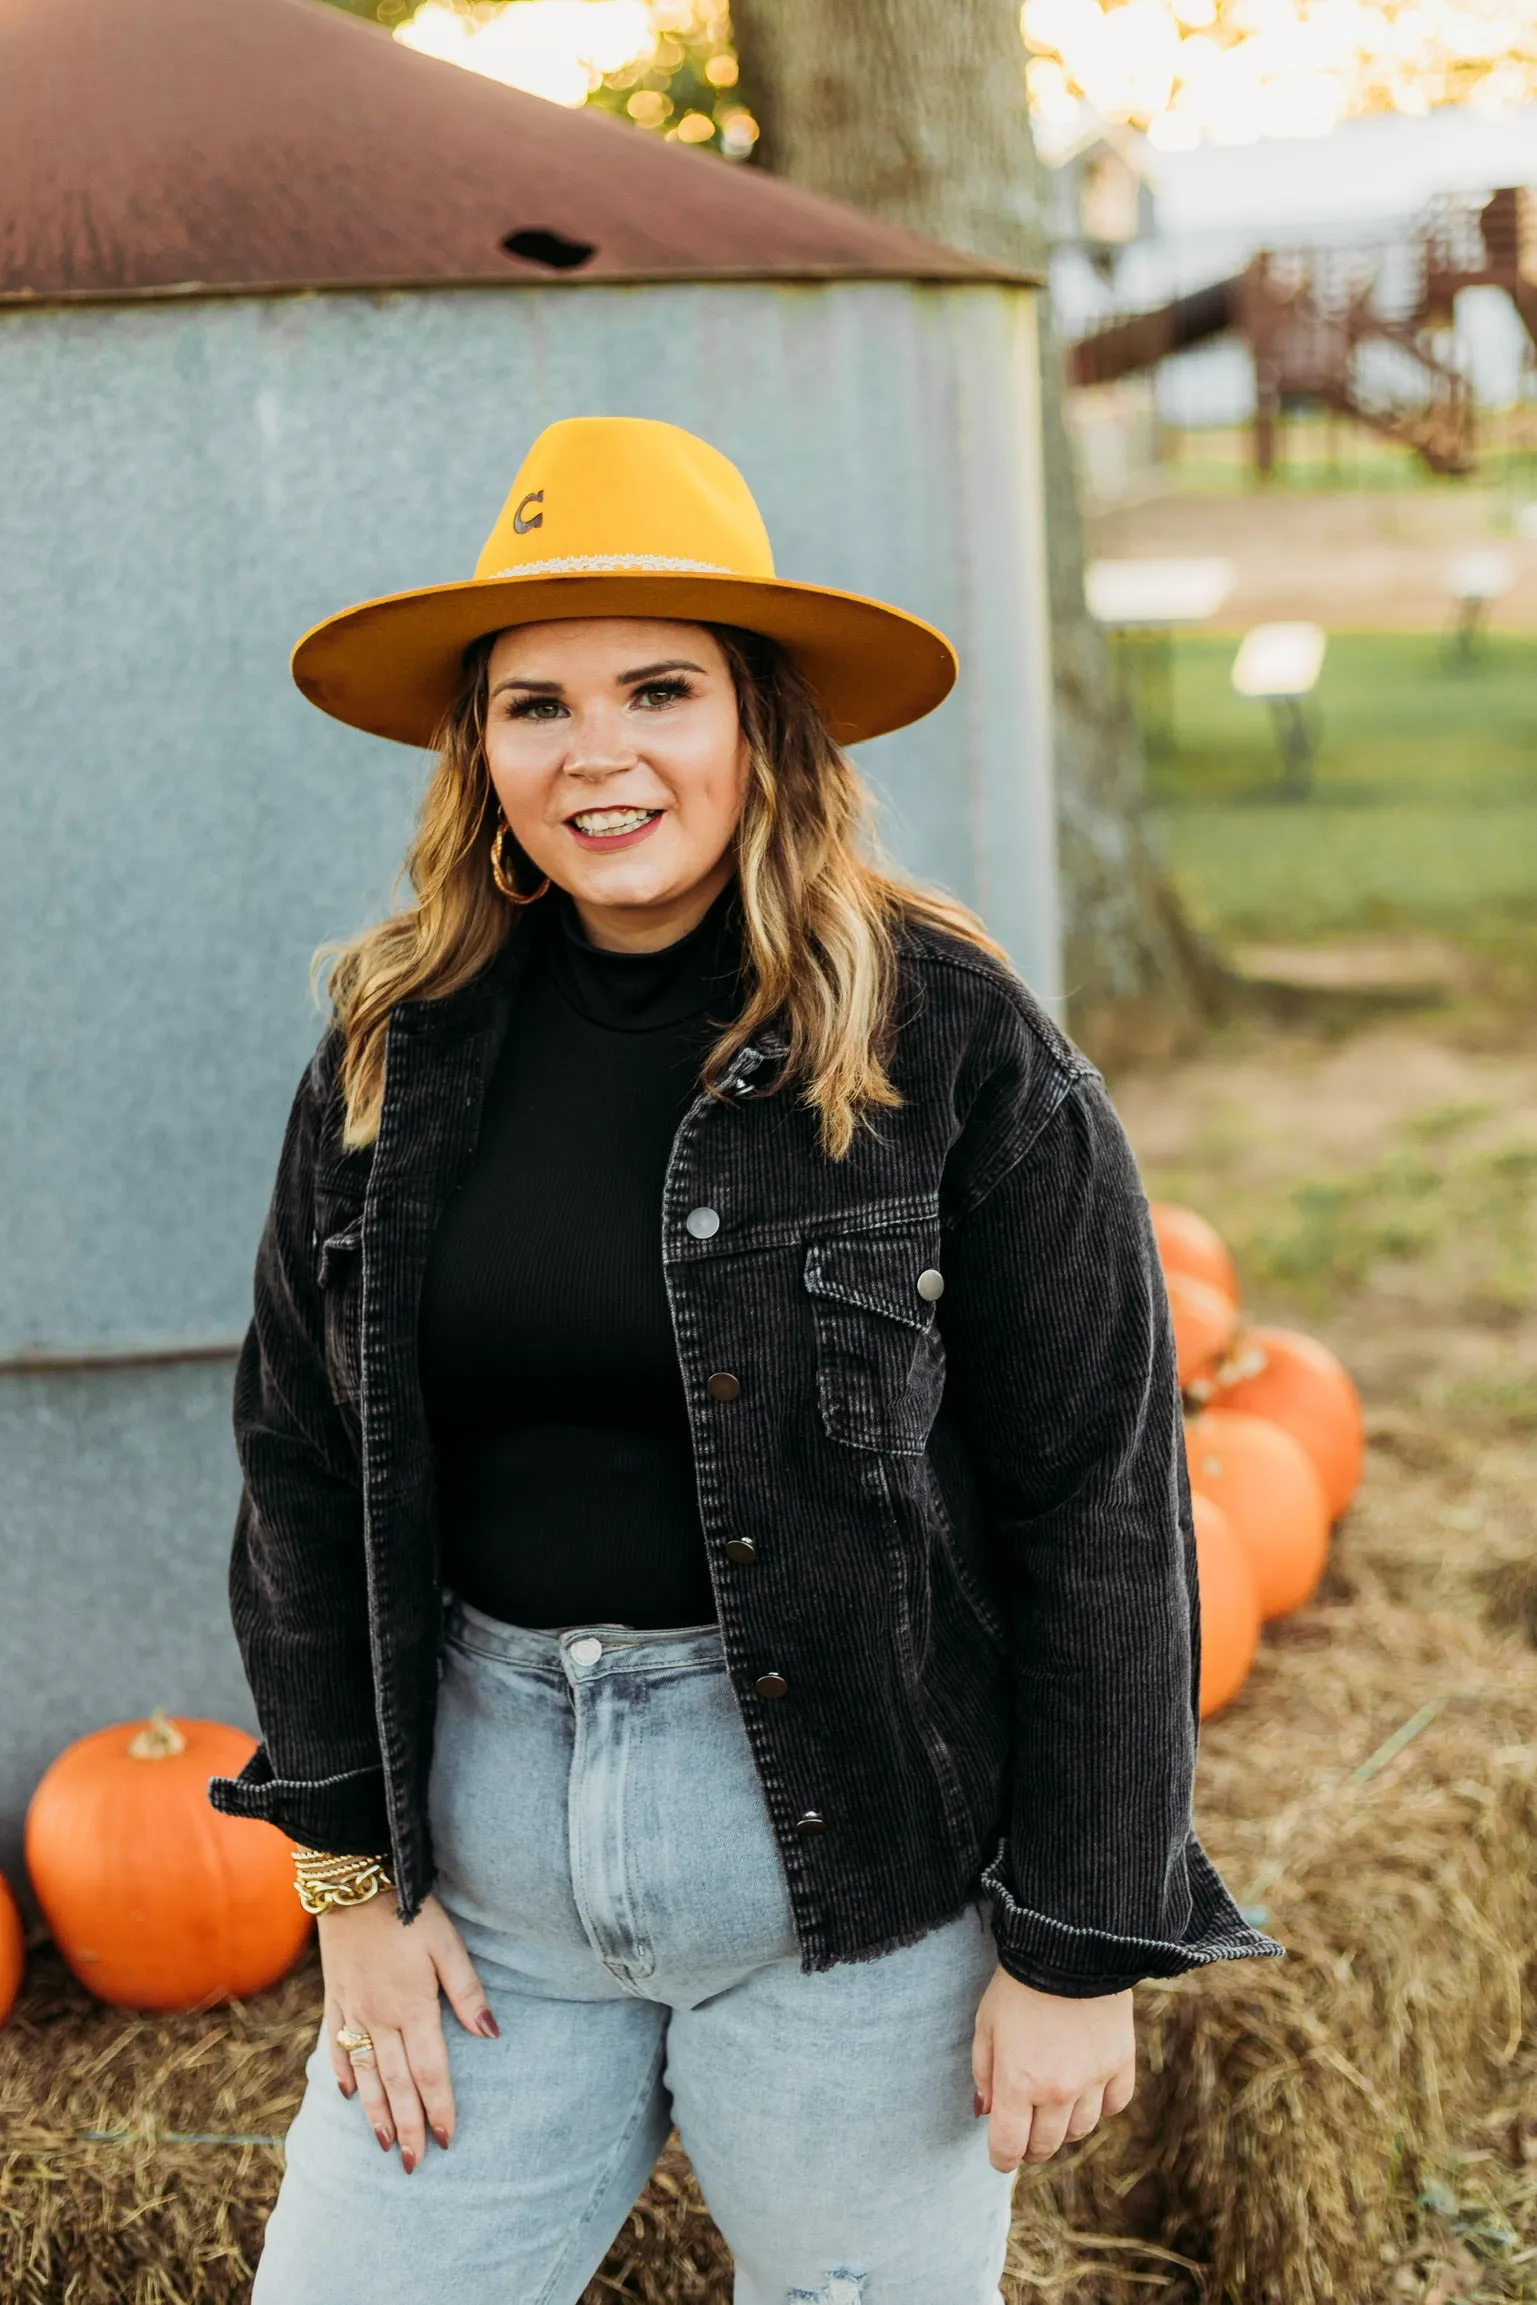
<point>658,692</point>
<point>534,708</point>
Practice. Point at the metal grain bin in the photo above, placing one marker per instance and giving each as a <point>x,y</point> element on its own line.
<point>264,350</point>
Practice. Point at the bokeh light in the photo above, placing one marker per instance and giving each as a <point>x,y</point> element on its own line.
<point>1231,71</point>
<point>559,49</point>
<point>1185,71</point>
<point>667,65</point>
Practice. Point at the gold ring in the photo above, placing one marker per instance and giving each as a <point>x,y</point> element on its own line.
<point>354,2041</point>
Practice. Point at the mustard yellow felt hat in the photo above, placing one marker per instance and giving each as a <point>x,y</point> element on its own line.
<point>619,516</point>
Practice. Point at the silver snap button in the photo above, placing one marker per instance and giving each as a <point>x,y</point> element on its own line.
<point>586,1651</point>
<point>704,1224</point>
<point>931,1286</point>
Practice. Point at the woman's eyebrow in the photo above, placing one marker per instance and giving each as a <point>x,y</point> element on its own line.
<point>621,679</point>
<point>650,671</point>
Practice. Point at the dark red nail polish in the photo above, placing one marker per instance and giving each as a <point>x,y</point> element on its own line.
<point>342,2090</point>
<point>407,2159</point>
<point>976,2104</point>
<point>385,2139</point>
<point>441,2136</point>
<point>487,2026</point>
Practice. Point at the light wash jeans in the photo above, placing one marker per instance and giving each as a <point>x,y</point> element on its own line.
<point>604,1846</point>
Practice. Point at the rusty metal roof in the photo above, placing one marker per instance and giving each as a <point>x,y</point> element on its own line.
<point>155,145</point>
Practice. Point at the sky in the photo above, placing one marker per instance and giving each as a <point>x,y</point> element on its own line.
<point>1186,72</point>
<point>555,48</point>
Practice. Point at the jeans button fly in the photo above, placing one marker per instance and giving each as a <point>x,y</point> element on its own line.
<point>771,1685</point>
<point>704,1224</point>
<point>723,1386</point>
<point>587,1651</point>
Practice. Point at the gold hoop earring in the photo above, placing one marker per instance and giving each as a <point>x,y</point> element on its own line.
<point>503,878</point>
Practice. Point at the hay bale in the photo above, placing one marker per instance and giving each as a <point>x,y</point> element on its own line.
<point>669,2252</point>
<point>98,2204</point>
<point>1293,2120</point>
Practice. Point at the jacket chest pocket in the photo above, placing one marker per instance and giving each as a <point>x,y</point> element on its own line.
<point>341,1285</point>
<point>880,1361</point>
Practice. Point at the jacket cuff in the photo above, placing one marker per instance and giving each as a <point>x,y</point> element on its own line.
<point>344,1815</point>
<point>1081,1964</point>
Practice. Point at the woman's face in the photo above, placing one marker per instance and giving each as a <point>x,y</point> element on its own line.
<point>617,753</point>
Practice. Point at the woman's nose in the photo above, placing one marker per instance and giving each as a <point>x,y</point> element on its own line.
<point>594,761</point>
<point>600,745</point>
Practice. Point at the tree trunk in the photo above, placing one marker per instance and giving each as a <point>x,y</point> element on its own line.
<point>915,110</point>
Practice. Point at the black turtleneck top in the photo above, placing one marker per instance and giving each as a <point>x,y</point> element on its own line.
<point>565,1469</point>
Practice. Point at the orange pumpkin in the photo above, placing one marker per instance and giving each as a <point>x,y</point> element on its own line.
<point>1265,1483</point>
<point>1188,1244</point>
<point>155,1900</point>
<point>1229,1607</point>
<point>1205,1323</point>
<point>1297,1383</point>
<point>13,1950</point>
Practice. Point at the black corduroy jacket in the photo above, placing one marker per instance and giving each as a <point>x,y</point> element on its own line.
<point>963,1630</point>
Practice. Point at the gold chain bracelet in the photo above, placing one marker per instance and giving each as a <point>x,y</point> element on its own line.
<point>323,1881</point>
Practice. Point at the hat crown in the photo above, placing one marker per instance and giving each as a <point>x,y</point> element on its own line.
<point>617,493</point>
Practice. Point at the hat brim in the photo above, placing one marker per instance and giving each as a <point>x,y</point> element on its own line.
<point>393,666</point>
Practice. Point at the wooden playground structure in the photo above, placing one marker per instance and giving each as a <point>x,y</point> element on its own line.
<point>1365,332</point>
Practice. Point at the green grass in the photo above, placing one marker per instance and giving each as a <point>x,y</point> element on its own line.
<point>1440,1191</point>
<point>1424,808</point>
<point>1424,1199</point>
<point>1313,453</point>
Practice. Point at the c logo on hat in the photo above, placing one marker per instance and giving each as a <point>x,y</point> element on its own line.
<point>519,523</point>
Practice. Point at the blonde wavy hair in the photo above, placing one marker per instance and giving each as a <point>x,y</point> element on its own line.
<point>821,913</point>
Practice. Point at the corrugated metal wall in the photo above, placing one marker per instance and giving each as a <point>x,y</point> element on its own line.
<point>193,482</point>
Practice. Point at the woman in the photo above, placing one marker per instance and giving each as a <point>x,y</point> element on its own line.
<point>715,1542</point>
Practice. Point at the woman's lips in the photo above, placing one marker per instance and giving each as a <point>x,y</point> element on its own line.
<point>607,840</point>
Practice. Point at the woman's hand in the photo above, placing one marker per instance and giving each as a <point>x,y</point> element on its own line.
<point>384,1979</point>
<point>1048,2069</point>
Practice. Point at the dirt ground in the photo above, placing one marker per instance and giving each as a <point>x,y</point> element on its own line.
<point>1376,559</point>
<point>1375,1170</point>
<point>1380,1186</point>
